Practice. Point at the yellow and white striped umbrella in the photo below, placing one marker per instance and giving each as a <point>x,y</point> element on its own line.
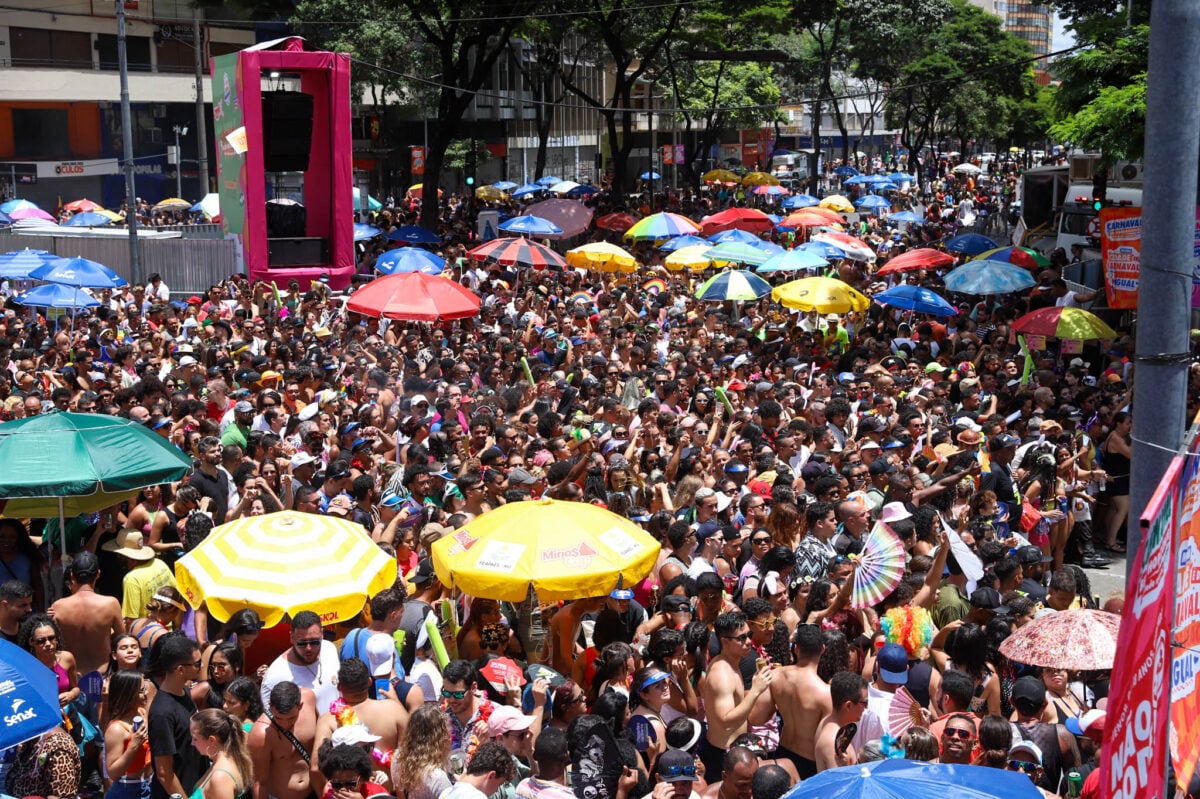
<point>282,563</point>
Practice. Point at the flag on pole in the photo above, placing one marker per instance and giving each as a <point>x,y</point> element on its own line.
<point>1028,370</point>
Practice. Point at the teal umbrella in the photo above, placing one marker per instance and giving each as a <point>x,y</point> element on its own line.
<point>64,464</point>
<point>735,252</point>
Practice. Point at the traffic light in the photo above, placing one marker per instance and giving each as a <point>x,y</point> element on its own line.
<point>1099,190</point>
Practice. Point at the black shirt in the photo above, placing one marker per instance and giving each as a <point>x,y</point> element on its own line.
<point>999,479</point>
<point>215,488</point>
<point>170,719</point>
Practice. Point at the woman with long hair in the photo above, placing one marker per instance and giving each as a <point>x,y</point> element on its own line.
<point>613,669</point>
<point>150,500</point>
<point>39,635</point>
<point>786,524</point>
<point>127,757</point>
<point>219,736</point>
<point>1043,489</point>
<point>224,666</point>
<point>164,612</point>
<point>778,560</point>
<point>243,701</point>
<point>420,766</point>
<point>964,647</point>
<point>650,691</point>
<point>126,656</point>
<point>995,739</point>
<point>1117,454</point>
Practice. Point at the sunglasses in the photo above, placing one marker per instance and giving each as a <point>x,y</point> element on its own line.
<point>760,540</point>
<point>966,735</point>
<point>349,785</point>
<point>309,643</point>
<point>678,771</point>
<point>744,637</point>
<point>1022,765</point>
<point>453,694</point>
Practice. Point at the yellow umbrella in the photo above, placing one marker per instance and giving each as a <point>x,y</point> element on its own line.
<point>282,563</point>
<point>759,179</point>
<point>172,204</point>
<point>602,256</point>
<point>110,214</point>
<point>822,294</point>
<point>720,176</point>
<point>690,257</point>
<point>563,550</point>
<point>490,194</point>
<point>836,202</point>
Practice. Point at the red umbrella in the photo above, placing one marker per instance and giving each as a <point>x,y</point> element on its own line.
<point>619,222</point>
<point>521,251</point>
<point>414,297</point>
<point>812,217</point>
<point>750,220</point>
<point>80,206</point>
<point>913,260</point>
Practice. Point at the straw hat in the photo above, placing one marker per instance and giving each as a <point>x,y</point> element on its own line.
<point>130,544</point>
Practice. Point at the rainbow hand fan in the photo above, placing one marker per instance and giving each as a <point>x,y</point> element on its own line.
<point>904,713</point>
<point>654,285</point>
<point>880,567</point>
<point>581,296</point>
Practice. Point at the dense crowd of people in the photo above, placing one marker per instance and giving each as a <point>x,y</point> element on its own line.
<point>758,446</point>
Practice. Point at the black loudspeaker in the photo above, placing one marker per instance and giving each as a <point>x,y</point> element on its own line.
<point>286,220</point>
<point>297,252</point>
<point>287,131</point>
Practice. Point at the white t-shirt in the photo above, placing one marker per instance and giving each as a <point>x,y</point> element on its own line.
<point>320,677</point>
<point>462,790</point>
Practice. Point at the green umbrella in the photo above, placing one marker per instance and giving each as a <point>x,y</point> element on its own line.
<point>64,464</point>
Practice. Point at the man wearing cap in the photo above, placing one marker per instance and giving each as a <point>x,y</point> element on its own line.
<point>1033,569</point>
<point>1057,748</point>
<point>891,673</point>
<point>708,547</point>
<point>385,719</point>
<point>999,478</point>
<point>676,769</point>
<point>145,576</point>
<point>1090,728</point>
<point>516,732</point>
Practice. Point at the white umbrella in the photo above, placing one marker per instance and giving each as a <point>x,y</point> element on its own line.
<point>967,169</point>
<point>563,187</point>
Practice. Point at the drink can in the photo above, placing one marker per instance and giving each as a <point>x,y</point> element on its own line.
<point>138,721</point>
<point>1074,784</point>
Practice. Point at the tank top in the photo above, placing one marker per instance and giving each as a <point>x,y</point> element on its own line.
<point>198,793</point>
<point>141,760</point>
<point>170,535</point>
<point>64,680</point>
<point>1046,737</point>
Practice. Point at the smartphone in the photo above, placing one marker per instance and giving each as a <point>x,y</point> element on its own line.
<point>844,736</point>
<point>382,684</point>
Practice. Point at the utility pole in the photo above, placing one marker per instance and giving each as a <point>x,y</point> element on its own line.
<point>1168,236</point>
<point>135,264</point>
<point>201,122</point>
<point>179,131</point>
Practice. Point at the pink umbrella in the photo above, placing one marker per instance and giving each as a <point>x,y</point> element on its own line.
<point>30,213</point>
<point>571,215</point>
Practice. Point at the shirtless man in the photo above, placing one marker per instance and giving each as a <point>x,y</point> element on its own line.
<point>386,718</point>
<point>564,632</point>
<point>848,693</point>
<point>729,705</point>
<point>736,777</point>
<point>281,771</point>
<point>803,700</point>
<point>88,620</point>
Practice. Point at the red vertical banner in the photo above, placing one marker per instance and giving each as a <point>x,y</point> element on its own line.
<point>668,155</point>
<point>1121,250</point>
<point>417,160</point>
<point>1134,759</point>
<point>1185,667</point>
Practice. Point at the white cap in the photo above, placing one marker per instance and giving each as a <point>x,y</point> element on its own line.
<point>302,459</point>
<point>353,734</point>
<point>381,651</point>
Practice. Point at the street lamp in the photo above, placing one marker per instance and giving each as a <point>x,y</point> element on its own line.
<point>179,131</point>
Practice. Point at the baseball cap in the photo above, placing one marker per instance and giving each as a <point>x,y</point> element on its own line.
<point>880,466</point>
<point>1030,555</point>
<point>353,734</point>
<point>340,506</point>
<point>1002,441</point>
<point>381,651</point>
<point>302,459</point>
<point>894,512</point>
<point>673,603</point>
<point>390,498</point>
<point>1029,747</point>
<point>708,528</point>
<point>986,598</point>
<point>423,574</point>
<point>505,719</point>
<point>1091,724</point>
<point>675,765</point>
<point>243,407</point>
<point>621,593</point>
<point>1029,694</point>
<point>519,476</point>
<point>735,467</point>
<point>187,360</point>
<point>934,366</point>
<point>893,664</point>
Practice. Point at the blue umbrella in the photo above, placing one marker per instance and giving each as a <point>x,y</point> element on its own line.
<point>846,171</point>
<point>900,177</point>
<point>679,242</point>
<point>651,176</point>
<point>823,249</point>
<point>18,205</point>
<point>364,232</point>
<point>916,298</point>
<point>794,261</point>
<point>18,264</point>
<point>904,216</point>
<point>30,694</point>
<point>5,219</point>
<point>800,201</point>
<point>769,247</point>
<point>54,295</point>
<point>527,190</point>
<point>549,180</point>
<point>504,185</point>
<point>412,234</point>
<point>79,273</point>
<point>886,185</point>
<point>989,277</point>
<point>776,218</point>
<point>734,235</point>
<point>871,202</point>
<point>533,225</point>
<point>970,244</point>
<point>410,259</point>
<point>583,190</point>
<point>855,180</point>
<point>88,219</point>
<point>905,779</point>
<point>875,179</point>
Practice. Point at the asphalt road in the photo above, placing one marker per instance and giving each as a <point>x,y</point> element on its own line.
<point>1108,581</point>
